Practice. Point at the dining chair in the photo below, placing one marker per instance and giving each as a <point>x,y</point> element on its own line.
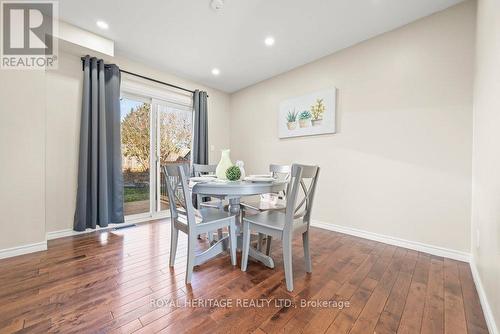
<point>193,222</point>
<point>200,170</point>
<point>214,202</point>
<point>282,173</point>
<point>284,225</point>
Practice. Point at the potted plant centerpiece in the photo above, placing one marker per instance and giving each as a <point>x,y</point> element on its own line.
<point>317,111</point>
<point>233,173</point>
<point>305,119</point>
<point>291,119</point>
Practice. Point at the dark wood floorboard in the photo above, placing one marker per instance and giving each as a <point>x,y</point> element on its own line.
<point>104,282</point>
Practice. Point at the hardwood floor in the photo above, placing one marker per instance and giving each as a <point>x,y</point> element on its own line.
<point>107,282</point>
<point>138,207</point>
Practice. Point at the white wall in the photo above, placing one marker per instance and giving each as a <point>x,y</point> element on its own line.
<point>400,164</point>
<point>64,87</point>
<point>22,158</point>
<point>486,155</point>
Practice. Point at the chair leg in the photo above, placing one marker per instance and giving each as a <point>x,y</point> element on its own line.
<point>173,244</point>
<point>268,245</point>
<point>287,261</point>
<point>307,254</point>
<point>190,258</point>
<point>233,244</point>
<point>245,246</point>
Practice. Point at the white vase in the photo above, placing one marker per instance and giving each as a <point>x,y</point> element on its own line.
<point>224,164</point>
<point>241,165</point>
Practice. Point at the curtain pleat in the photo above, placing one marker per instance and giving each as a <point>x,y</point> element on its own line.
<point>200,136</point>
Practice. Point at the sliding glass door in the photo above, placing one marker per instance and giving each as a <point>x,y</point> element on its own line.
<point>174,138</point>
<point>154,133</point>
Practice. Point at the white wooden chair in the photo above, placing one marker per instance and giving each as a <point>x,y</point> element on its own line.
<point>281,172</point>
<point>284,225</point>
<point>214,202</point>
<point>200,170</point>
<point>193,222</point>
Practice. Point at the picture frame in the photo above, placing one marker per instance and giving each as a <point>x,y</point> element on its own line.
<point>308,115</point>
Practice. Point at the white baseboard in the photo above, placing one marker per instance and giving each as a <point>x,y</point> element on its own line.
<point>42,246</point>
<point>24,249</point>
<point>487,311</point>
<point>62,234</point>
<point>415,245</point>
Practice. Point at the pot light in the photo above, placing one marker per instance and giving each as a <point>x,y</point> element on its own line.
<point>269,41</point>
<point>215,71</point>
<point>102,25</point>
<point>217,4</point>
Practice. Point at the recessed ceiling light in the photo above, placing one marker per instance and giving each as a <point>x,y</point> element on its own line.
<point>215,71</point>
<point>102,25</point>
<point>269,41</point>
<point>217,4</point>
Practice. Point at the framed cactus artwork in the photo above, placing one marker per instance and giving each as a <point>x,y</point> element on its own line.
<point>308,115</point>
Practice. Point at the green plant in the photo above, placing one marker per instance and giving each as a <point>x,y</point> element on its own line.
<point>306,114</point>
<point>292,116</point>
<point>318,109</point>
<point>135,194</point>
<point>233,173</point>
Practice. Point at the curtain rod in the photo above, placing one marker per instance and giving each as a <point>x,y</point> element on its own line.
<point>157,81</point>
<point>154,80</point>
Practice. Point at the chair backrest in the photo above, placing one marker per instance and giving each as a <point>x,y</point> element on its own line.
<point>300,193</point>
<point>281,173</point>
<point>199,170</point>
<point>280,170</point>
<point>179,196</point>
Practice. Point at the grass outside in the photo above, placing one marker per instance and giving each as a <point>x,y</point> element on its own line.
<point>136,194</point>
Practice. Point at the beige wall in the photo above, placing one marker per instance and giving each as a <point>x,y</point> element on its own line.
<point>22,162</point>
<point>64,90</point>
<point>400,164</point>
<point>486,153</point>
<point>63,123</point>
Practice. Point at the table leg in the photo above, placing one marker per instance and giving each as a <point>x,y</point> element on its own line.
<point>235,208</point>
<point>261,257</point>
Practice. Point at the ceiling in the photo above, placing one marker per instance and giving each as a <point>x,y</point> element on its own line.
<point>189,38</point>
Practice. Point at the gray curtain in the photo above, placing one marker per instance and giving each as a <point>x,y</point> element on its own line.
<point>99,198</point>
<point>200,136</point>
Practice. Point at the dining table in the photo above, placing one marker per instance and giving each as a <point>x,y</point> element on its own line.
<point>233,191</point>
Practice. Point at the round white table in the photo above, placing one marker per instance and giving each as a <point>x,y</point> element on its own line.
<point>233,191</point>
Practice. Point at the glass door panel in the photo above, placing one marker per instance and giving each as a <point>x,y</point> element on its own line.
<point>174,139</point>
<point>136,155</point>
